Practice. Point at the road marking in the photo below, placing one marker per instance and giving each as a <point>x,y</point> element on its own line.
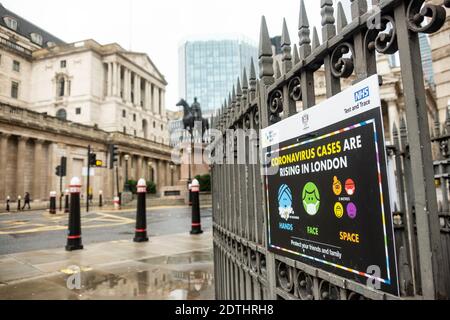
<point>109,220</point>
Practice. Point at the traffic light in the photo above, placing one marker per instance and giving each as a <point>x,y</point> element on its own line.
<point>113,155</point>
<point>99,163</point>
<point>92,159</point>
<point>63,167</point>
<point>58,171</point>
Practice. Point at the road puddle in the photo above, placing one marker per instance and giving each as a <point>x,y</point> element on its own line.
<point>187,276</point>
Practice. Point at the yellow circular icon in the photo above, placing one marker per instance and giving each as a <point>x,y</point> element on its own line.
<point>337,186</point>
<point>339,210</point>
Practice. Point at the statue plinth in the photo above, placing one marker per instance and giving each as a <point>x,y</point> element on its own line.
<point>197,164</point>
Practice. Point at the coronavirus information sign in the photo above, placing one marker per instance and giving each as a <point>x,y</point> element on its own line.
<point>327,188</point>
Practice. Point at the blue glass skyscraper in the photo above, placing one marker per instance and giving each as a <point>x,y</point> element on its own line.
<point>209,68</point>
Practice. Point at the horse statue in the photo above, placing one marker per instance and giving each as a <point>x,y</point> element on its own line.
<point>188,117</point>
<point>192,114</point>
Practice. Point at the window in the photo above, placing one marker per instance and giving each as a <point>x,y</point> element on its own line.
<point>51,44</point>
<point>78,111</point>
<point>135,133</point>
<point>134,117</point>
<point>124,130</point>
<point>61,114</point>
<point>63,63</point>
<point>36,38</point>
<point>154,124</point>
<point>14,90</point>
<point>162,128</point>
<point>16,66</point>
<point>61,87</point>
<point>10,22</point>
<point>124,113</point>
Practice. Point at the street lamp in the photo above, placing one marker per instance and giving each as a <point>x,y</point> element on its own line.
<point>190,160</point>
<point>127,185</point>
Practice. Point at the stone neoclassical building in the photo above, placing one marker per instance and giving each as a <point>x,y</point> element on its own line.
<point>440,48</point>
<point>58,98</point>
<point>32,143</point>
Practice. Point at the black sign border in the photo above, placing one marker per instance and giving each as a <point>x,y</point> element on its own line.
<point>379,141</point>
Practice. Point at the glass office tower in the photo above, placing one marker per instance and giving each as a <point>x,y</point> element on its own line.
<point>210,68</point>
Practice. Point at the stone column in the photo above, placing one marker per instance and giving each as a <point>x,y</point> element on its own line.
<point>114,79</point>
<point>155,99</point>
<point>394,117</point>
<point>3,164</point>
<point>50,169</point>
<point>139,173</point>
<point>37,193</point>
<point>20,173</point>
<point>150,97</point>
<point>163,101</point>
<point>147,95</point>
<point>137,95</point>
<point>150,168</point>
<point>109,80</point>
<point>119,86</point>
<point>126,93</point>
<point>161,174</point>
<point>168,174</point>
<point>176,175</point>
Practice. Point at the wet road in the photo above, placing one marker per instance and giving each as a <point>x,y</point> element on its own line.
<point>27,231</point>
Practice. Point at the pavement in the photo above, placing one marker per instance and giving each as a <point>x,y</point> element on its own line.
<point>37,230</point>
<point>172,266</point>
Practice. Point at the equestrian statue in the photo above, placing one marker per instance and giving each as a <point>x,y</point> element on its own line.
<point>193,114</point>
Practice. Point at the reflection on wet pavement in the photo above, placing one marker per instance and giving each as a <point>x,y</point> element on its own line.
<point>186,276</point>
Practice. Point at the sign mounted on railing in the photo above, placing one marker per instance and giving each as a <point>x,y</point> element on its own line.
<point>327,188</point>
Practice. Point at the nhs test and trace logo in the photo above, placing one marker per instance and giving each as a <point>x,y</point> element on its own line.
<point>362,94</point>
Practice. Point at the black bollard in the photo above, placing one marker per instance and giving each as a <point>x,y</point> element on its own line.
<point>100,198</point>
<point>190,193</point>
<point>18,202</point>
<point>66,202</point>
<point>8,199</point>
<point>74,234</point>
<point>52,202</point>
<point>196,220</point>
<point>141,214</point>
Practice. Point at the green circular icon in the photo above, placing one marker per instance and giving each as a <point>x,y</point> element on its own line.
<point>311,199</point>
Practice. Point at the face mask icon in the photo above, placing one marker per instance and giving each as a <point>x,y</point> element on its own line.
<point>311,199</point>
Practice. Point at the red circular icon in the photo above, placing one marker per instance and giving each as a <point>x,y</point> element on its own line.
<point>350,187</point>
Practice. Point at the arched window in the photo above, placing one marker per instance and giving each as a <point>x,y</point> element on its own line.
<point>61,114</point>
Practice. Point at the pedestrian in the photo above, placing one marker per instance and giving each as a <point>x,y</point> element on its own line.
<point>8,199</point>
<point>26,201</point>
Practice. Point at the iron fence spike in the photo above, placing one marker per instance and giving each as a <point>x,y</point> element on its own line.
<point>285,39</point>
<point>315,41</point>
<point>296,57</point>
<point>303,17</point>
<point>244,79</point>
<point>265,45</point>
<point>341,18</point>
<point>252,70</point>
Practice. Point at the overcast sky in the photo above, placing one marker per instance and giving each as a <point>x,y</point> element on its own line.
<point>157,27</point>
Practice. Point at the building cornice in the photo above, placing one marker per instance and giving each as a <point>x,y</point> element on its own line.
<point>33,121</point>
